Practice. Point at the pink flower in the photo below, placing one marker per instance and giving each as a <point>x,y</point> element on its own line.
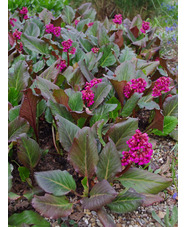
<point>49,28</point>
<point>20,46</point>
<point>73,50</point>
<point>145,26</point>
<point>161,84</point>
<point>140,149</point>
<point>117,19</point>
<point>90,24</point>
<point>157,59</point>
<point>127,90</point>
<point>76,22</point>
<point>24,10</point>
<point>95,50</point>
<point>57,31</point>
<point>88,96</point>
<point>135,85</point>
<point>138,85</point>
<point>25,17</point>
<point>17,34</point>
<point>61,65</point>
<point>11,21</point>
<point>93,82</point>
<point>66,45</point>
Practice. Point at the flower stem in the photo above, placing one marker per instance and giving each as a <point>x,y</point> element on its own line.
<point>68,59</point>
<point>124,170</point>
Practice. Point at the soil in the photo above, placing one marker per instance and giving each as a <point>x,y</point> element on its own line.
<point>162,158</point>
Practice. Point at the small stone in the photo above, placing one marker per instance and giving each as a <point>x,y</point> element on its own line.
<point>161,214</point>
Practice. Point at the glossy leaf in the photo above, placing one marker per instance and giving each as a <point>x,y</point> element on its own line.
<point>123,131</point>
<point>13,113</point>
<point>68,14</point>
<point>151,199</point>
<point>170,106</point>
<point>148,103</point>
<point>34,44</point>
<point>107,58</point>
<point>125,71</point>
<point>28,108</point>
<point>17,127</point>
<point>143,181</point>
<point>147,67</point>
<point>84,69</point>
<point>51,72</point>
<point>104,218</point>
<point>126,54</point>
<point>46,86</point>
<point>130,104</point>
<point>76,102</point>
<point>28,217</point>
<point>31,29</point>
<point>126,202</point>
<point>19,78</point>
<point>67,131</point>
<point>38,66</point>
<point>46,16</point>
<point>100,90</point>
<point>83,153</point>
<point>52,206</point>
<point>24,173</point>
<point>100,195</point>
<point>28,152</point>
<point>103,38</point>
<point>61,97</point>
<point>109,162</point>
<point>169,125</point>
<point>56,182</point>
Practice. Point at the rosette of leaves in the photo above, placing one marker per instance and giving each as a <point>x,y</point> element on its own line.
<point>99,171</point>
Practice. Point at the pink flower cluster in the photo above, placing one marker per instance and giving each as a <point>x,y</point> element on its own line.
<point>117,19</point>
<point>140,150</point>
<point>88,94</point>
<point>24,11</point>
<point>51,29</point>
<point>135,85</point>
<point>67,45</point>
<point>11,21</point>
<point>90,24</point>
<point>95,50</point>
<point>145,26</point>
<point>17,34</point>
<point>161,84</point>
<point>62,65</point>
<point>76,22</point>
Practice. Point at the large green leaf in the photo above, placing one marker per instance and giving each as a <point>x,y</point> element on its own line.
<point>170,106</point>
<point>17,127</point>
<point>100,195</point>
<point>123,131</point>
<point>51,72</point>
<point>100,90</point>
<point>56,182</point>
<point>18,79</point>
<point>147,67</point>
<point>76,102</point>
<point>83,153</point>
<point>143,181</point>
<point>67,131</point>
<point>27,217</point>
<point>52,206</point>
<point>46,16</point>
<point>126,202</point>
<point>125,71</point>
<point>103,38</point>
<point>86,44</point>
<point>31,29</point>
<point>46,86</point>
<point>109,162</point>
<point>68,14</point>
<point>29,152</point>
<point>148,103</point>
<point>169,125</point>
<point>130,104</point>
<point>13,113</point>
<point>127,54</point>
<point>34,44</point>
<point>108,57</point>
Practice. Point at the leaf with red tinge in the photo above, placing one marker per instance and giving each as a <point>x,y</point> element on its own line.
<point>11,39</point>
<point>119,40</point>
<point>28,108</point>
<point>135,31</point>
<point>158,121</point>
<point>118,86</point>
<point>100,195</point>
<point>105,219</point>
<point>52,206</point>
<point>61,97</point>
<point>150,199</point>
<point>17,127</point>
<point>28,151</point>
<point>83,153</point>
